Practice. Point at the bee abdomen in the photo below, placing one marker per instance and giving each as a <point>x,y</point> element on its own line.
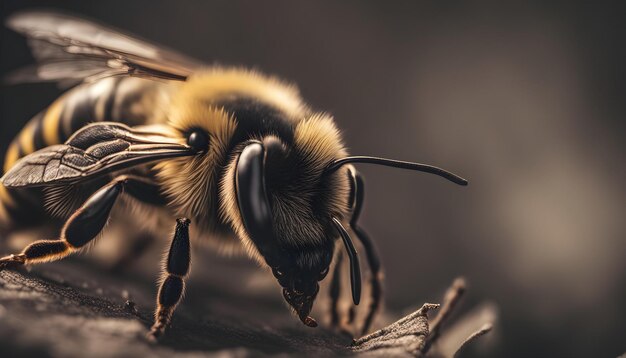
<point>70,112</point>
<point>42,129</point>
<point>113,99</point>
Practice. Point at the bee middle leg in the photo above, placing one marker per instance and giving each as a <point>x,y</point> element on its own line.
<point>84,224</point>
<point>172,286</point>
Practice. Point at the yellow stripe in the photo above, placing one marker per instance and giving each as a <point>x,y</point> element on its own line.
<point>5,197</point>
<point>12,156</point>
<point>51,123</point>
<point>27,138</point>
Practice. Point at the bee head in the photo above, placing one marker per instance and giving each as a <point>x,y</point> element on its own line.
<point>284,216</point>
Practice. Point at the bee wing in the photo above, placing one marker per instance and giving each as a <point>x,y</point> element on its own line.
<point>95,150</point>
<point>70,50</point>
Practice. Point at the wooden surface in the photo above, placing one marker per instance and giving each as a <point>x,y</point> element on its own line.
<point>76,309</point>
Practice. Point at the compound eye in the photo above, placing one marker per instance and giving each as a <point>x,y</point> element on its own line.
<point>198,139</point>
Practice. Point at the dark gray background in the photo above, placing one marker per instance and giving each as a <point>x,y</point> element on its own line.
<point>526,100</point>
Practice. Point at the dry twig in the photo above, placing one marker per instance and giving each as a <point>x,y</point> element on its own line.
<point>486,328</point>
<point>450,300</point>
<point>407,335</point>
<point>414,336</point>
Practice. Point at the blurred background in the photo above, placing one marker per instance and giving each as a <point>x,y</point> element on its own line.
<point>525,99</point>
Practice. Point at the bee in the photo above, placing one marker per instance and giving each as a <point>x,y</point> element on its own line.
<point>234,151</point>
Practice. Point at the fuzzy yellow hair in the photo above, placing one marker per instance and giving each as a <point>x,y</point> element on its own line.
<point>194,186</point>
<point>189,181</point>
<point>214,83</point>
<point>317,142</point>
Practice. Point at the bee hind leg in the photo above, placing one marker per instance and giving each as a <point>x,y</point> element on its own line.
<point>176,269</point>
<point>82,226</point>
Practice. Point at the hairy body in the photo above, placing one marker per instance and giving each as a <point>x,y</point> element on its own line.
<point>236,155</point>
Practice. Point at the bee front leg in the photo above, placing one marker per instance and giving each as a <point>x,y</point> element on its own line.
<point>339,320</point>
<point>370,252</point>
<point>375,280</point>
<point>82,226</point>
<point>172,286</point>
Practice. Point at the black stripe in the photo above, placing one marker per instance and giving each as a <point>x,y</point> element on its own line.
<point>83,109</point>
<point>60,122</point>
<point>38,138</point>
<point>78,110</point>
<point>20,150</point>
<point>110,100</point>
<point>255,118</point>
<point>126,98</point>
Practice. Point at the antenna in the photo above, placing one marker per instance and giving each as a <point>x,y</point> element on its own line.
<point>397,164</point>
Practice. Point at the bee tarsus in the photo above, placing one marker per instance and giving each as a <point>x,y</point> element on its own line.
<point>12,261</point>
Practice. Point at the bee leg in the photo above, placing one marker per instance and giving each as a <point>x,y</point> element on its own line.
<point>172,286</point>
<point>335,290</point>
<point>340,321</point>
<point>373,260</point>
<point>82,226</point>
